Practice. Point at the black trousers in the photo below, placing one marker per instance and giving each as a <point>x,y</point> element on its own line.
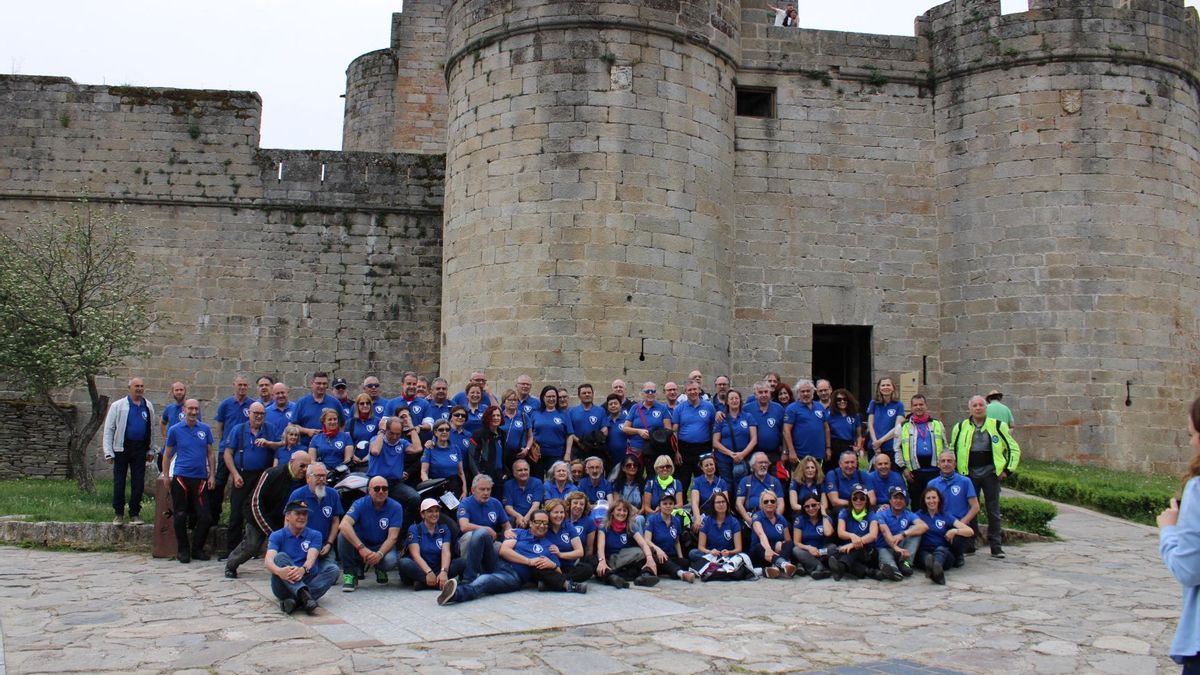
<point>239,508</point>
<point>188,495</point>
<point>133,462</point>
<point>987,485</point>
<point>690,466</point>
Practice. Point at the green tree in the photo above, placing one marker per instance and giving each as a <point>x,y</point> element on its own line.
<point>74,303</point>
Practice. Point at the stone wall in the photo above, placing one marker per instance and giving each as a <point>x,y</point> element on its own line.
<point>270,261</point>
<point>33,441</point>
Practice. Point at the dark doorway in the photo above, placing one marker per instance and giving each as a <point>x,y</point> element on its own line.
<point>842,355</point>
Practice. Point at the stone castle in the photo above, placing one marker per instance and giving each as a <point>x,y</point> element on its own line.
<point>633,188</point>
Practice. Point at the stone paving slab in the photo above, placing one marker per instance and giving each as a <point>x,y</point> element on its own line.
<point>1098,601</point>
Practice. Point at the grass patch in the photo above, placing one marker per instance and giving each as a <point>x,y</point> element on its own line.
<point>60,500</point>
<point>1134,496</point>
<point>1024,513</point>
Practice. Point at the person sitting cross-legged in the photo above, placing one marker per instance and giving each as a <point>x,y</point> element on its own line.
<point>368,534</point>
<point>298,576</point>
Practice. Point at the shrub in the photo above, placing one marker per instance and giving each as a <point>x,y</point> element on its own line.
<point>1133,496</point>
<point>1023,513</point>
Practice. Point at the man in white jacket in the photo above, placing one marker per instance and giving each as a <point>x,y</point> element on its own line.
<point>127,448</point>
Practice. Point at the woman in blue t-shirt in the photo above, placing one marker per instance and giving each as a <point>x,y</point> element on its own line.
<point>720,537</point>
<point>622,551</point>
<point>515,431</point>
<point>806,481</point>
<point>811,532</point>
<point>616,442</point>
<point>845,424</point>
<point>857,529</point>
<point>558,483</point>
<point>702,489</point>
<point>475,408</point>
<point>734,438</point>
<point>332,446</point>
<point>362,426</point>
<point>882,414</point>
<point>291,443</point>
<point>628,483</point>
<point>441,459</point>
<point>661,482</point>
<point>568,545</point>
<point>584,523</point>
<point>551,431</point>
<point>771,541</point>
<point>934,553</point>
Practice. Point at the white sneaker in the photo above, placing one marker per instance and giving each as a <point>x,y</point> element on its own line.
<point>119,520</point>
<point>136,520</point>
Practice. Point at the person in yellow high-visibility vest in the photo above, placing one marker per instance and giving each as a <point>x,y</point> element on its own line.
<point>987,453</point>
<point>922,439</point>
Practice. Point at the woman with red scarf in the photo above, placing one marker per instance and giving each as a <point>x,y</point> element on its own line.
<point>332,446</point>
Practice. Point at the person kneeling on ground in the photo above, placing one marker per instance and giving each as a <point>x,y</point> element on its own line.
<point>368,533</point>
<point>936,554</point>
<point>521,560</point>
<point>428,564</point>
<point>900,533</point>
<point>298,576</point>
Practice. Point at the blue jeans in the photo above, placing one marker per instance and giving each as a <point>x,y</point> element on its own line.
<point>942,555</point>
<point>889,557</point>
<point>502,580</point>
<point>322,577</point>
<point>411,571</point>
<point>479,558</point>
<point>353,563</point>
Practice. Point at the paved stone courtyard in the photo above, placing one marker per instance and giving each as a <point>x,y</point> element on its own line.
<point>1100,601</point>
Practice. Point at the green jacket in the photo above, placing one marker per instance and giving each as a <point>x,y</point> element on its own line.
<point>908,458</point>
<point>1006,454</point>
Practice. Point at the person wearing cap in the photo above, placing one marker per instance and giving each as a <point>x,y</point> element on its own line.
<point>429,545</point>
<point>857,530</point>
<point>341,394</point>
<point>882,480</point>
<point>922,440</point>
<point>987,453</point>
<point>839,482</point>
<point>368,534</point>
<point>324,505</point>
<point>661,533</point>
<point>900,533</point>
<point>299,577</point>
<point>997,410</point>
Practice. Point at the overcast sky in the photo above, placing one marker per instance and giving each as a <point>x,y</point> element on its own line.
<point>292,52</point>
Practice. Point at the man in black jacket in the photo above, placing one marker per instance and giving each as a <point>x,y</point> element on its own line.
<point>266,508</point>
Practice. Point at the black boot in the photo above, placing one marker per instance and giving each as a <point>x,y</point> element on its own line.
<point>305,600</point>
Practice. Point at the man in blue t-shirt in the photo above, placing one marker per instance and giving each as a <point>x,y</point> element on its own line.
<point>643,418</point>
<point>324,505</point>
<point>481,516</point>
<point>586,417</point>
<point>309,408</point>
<point>230,412</point>
<point>523,559</point>
<point>247,450</point>
<point>522,493</point>
<point>899,537</point>
<point>959,500</point>
<point>299,577</point>
<point>190,465</point>
<point>883,479</point>
<point>806,426</point>
<point>769,416</point>
<point>840,482</point>
<point>368,534</point>
<point>693,420</point>
<point>281,412</point>
<point>126,444</point>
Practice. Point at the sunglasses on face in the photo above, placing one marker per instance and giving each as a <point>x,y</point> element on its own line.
<point>458,415</point>
<point>649,391</point>
<point>379,488</point>
<point>858,498</point>
<point>442,430</point>
<point>812,506</point>
<point>543,523</point>
<point>840,400</point>
<point>373,386</point>
<point>768,501</point>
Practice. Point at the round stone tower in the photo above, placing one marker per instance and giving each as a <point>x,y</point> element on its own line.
<point>589,190</point>
<point>1066,158</point>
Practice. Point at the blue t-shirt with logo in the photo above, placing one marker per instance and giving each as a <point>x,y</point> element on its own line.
<point>485,514</point>
<point>371,524</point>
<point>429,543</point>
<point>694,423</point>
<point>857,527</point>
<point>956,491</point>
<point>939,524</point>
<point>774,531</point>
<point>664,534</point>
<point>296,546</point>
<point>137,423</point>
<point>886,416</point>
<point>247,455</point>
<point>281,418</point>
<point>551,429</point>
<point>881,486</point>
<point>837,481</point>
<point>615,541</point>
<point>443,462</point>
<point>641,417</point>
<point>617,442</point>
<point>230,413</point>
<point>308,410</point>
<point>389,463</point>
<point>770,426</point>
<point>708,488</point>
<point>595,491</point>
<point>321,512</point>
<point>656,491</point>
<point>564,539</point>
<point>587,421</point>
<point>721,536</point>
<point>521,498</point>
<point>735,434</point>
<point>896,523</point>
<point>190,445</point>
<point>751,487</point>
<point>810,533</point>
<point>532,547</point>
<point>331,450</point>
<point>808,428</point>
<point>843,427</point>
<point>550,490</point>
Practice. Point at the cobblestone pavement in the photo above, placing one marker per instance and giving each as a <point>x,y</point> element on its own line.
<point>1100,601</point>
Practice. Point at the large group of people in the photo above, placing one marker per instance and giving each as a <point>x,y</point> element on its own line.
<point>777,481</point>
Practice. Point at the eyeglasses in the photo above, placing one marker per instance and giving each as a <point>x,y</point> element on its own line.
<point>539,522</point>
<point>768,501</point>
<point>442,430</point>
<point>366,403</point>
<point>379,488</point>
<point>372,386</point>
<point>456,415</point>
<point>812,506</point>
<point>649,391</point>
<point>319,475</point>
<point>858,498</point>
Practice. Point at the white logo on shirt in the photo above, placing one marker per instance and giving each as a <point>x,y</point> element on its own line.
<point>558,421</point>
<point>593,419</point>
<point>744,424</point>
<point>954,490</point>
<point>940,523</point>
<point>492,516</point>
<point>537,548</point>
<point>656,413</point>
<point>327,510</point>
<point>703,414</point>
<point>891,413</point>
<point>779,527</point>
<point>383,523</point>
<point>771,422</point>
<point>454,457</point>
<point>200,434</point>
<point>304,545</point>
<point>339,444</point>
